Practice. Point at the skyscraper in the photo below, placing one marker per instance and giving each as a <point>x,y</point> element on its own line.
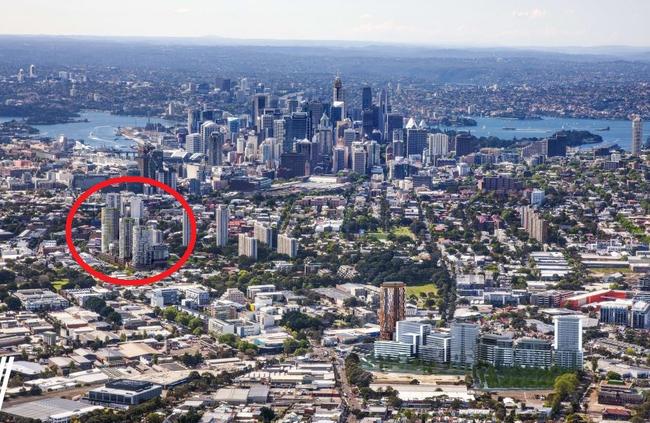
<point>373,153</point>
<point>339,161</point>
<point>324,137</point>
<point>279,132</point>
<point>366,97</point>
<point>393,121</point>
<point>137,208</point>
<point>359,159</point>
<point>297,127</point>
<point>464,344</point>
<point>140,246</point>
<point>150,161</point>
<point>260,102</point>
<point>416,141</point>
<point>367,122</point>
<point>391,308</point>
<point>316,110</point>
<point>266,125</point>
<point>637,135</point>
<point>126,237</point>
<point>214,149</point>
<point>193,120</point>
<point>568,341</point>
<point>337,94</point>
<point>110,227</point>
<point>207,129</point>
<point>193,143</point>
<point>186,228</point>
<point>349,136</point>
<point>438,145</point>
<point>113,200</point>
<point>383,112</point>
<point>464,144</point>
<point>222,217</point>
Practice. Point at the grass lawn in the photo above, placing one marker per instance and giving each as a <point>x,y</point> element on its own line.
<point>414,367</point>
<point>518,378</point>
<point>401,231</point>
<point>417,289</point>
<point>58,284</point>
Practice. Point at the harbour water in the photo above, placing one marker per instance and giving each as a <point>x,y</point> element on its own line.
<point>619,132</point>
<point>100,130</point>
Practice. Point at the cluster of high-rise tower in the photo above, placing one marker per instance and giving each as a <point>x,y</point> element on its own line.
<point>403,338</point>
<point>297,138</point>
<point>126,236</point>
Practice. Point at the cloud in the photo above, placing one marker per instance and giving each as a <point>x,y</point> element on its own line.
<point>530,14</point>
<point>182,10</point>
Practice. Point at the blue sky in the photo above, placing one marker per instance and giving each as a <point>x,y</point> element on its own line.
<point>434,22</point>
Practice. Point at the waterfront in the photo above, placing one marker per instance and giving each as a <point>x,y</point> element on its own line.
<point>620,131</point>
<point>99,131</point>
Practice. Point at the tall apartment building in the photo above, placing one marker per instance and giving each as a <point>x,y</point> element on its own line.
<point>126,237</point>
<point>110,218</point>
<point>500,184</point>
<point>392,296</point>
<point>436,348</point>
<point>263,233</point>
<point>637,135</point>
<point>287,245</point>
<point>464,344</point>
<point>415,339</point>
<point>207,129</point>
<point>186,229</point>
<point>534,224</point>
<point>141,242</point>
<point>567,343</point>
<point>531,352</point>
<point>359,159</point>
<point>496,350</point>
<point>438,145</point>
<point>222,218</point>
<point>247,246</point>
<point>214,148</point>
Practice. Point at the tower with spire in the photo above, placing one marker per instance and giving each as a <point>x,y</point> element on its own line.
<point>338,89</point>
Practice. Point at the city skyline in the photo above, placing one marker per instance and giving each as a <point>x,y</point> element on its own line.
<point>204,221</point>
<point>486,24</point>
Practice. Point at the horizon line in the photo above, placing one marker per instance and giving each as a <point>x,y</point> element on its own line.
<point>365,43</point>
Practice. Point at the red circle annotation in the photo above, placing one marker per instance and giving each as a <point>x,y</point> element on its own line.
<point>122,180</point>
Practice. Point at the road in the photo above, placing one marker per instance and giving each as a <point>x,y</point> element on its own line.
<point>65,393</point>
<point>350,399</point>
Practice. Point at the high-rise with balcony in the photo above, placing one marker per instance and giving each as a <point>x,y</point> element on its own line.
<point>464,344</point>
<point>567,344</point>
<point>637,135</point>
<point>222,218</point>
<point>287,245</point>
<point>110,227</point>
<point>186,228</point>
<point>247,246</point>
<point>391,308</point>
